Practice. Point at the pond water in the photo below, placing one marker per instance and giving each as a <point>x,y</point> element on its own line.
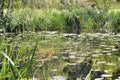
<point>88,56</point>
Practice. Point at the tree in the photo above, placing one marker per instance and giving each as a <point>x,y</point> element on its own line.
<point>10,7</point>
<point>103,5</point>
<point>1,13</point>
<point>1,9</point>
<point>24,2</point>
<point>118,0</point>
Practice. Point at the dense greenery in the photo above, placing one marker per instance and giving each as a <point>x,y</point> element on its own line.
<point>30,17</point>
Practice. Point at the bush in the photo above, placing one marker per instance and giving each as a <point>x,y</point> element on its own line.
<point>23,20</point>
<point>73,24</point>
<point>114,21</point>
<point>116,24</point>
<point>35,20</point>
<point>19,20</point>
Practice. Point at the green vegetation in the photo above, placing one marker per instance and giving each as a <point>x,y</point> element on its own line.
<point>32,18</point>
<point>38,36</point>
<point>54,19</point>
<point>19,57</point>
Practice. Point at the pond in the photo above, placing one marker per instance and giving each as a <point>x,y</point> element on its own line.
<point>66,56</point>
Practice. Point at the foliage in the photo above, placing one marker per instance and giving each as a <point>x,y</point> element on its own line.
<point>39,15</point>
<point>54,19</point>
<point>18,57</point>
<point>11,67</point>
<point>113,21</point>
<point>103,5</point>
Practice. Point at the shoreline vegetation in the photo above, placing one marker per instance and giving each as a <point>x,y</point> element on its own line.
<point>61,16</point>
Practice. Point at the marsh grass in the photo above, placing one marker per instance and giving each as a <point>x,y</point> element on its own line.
<point>104,62</point>
<point>32,56</point>
<point>19,52</point>
<point>49,15</point>
<point>54,19</point>
<point>11,67</point>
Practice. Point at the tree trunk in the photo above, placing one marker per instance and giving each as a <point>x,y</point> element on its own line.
<point>118,0</point>
<point>1,9</point>
<point>8,16</point>
<point>24,3</point>
<point>10,7</point>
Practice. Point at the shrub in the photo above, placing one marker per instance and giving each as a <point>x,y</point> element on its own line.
<point>114,22</point>
<point>116,25</point>
<point>73,24</point>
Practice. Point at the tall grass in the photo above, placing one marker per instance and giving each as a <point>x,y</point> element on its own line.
<point>37,20</point>
<point>16,64</point>
<point>55,19</point>
<point>113,20</point>
<point>51,15</point>
<point>18,56</point>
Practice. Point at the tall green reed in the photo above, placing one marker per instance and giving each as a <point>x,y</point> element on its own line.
<point>54,19</point>
<point>16,62</point>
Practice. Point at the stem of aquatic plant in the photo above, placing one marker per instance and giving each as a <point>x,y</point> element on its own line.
<point>14,72</point>
<point>37,70</point>
<point>5,55</point>
<point>46,75</point>
<point>89,76</point>
<point>12,66</point>
<point>31,59</point>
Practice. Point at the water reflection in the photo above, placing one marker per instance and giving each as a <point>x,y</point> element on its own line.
<point>95,56</point>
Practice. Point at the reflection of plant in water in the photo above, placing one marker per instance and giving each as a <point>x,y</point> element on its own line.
<point>46,73</point>
<point>105,60</point>
<point>51,52</point>
<point>46,52</point>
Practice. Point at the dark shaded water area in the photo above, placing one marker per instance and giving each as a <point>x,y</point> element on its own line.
<point>88,56</point>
